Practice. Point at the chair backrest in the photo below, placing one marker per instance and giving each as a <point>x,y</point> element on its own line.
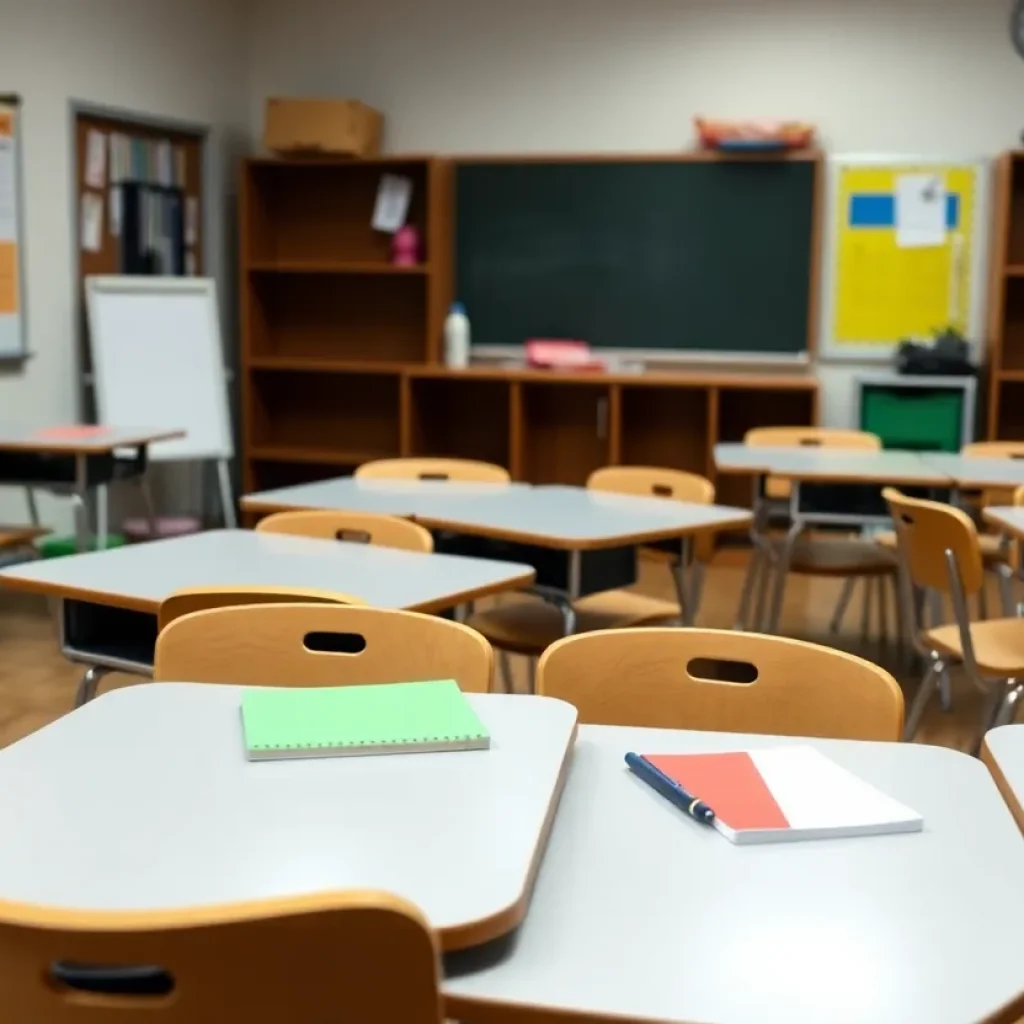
<point>806,437</point>
<point>926,531</point>
<point>357,527</point>
<point>654,482</point>
<point>360,956</point>
<point>320,645</point>
<point>201,599</point>
<point>812,437</point>
<point>680,679</point>
<point>458,470</point>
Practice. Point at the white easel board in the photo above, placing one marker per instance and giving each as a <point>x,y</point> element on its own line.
<point>157,360</point>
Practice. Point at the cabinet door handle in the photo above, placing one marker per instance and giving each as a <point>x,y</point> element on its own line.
<point>602,419</point>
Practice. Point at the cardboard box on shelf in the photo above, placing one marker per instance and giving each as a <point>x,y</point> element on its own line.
<point>329,127</point>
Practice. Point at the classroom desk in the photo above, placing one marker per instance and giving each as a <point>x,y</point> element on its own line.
<point>974,474</point>
<point>641,915</point>
<point>166,812</point>
<point>78,459</point>
<point>858,473</point>
<point>1003,752</point>
<point>594,532</point>
<point>1008,518</point>
<point>110,599</point>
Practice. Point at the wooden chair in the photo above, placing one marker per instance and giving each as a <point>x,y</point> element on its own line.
<point>995,551</point>
<point>939,549</point>
<point>202,599</point>
<point>358,527</point>
<point>527,625</point>
<point>456,470</point>
<point>362,956</point>
<point>320,645</point>
<point>679,679</point>
<point>852,560</point>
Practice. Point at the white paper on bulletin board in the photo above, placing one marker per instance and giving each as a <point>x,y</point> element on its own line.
<point>889,273</point>
<point>12,287</point>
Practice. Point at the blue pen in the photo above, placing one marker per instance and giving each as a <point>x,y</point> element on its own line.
<point>670,789</point>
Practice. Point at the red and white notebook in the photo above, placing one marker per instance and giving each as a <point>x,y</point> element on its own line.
<point>785,793</point>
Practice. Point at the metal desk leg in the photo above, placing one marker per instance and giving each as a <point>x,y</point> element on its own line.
<point>33,508</point>
<point>227,499</point>
<point>80,501</point>
<point>88,685</point>
<point>757,559</point>
<point>679,578</point>
<point>781,572</point>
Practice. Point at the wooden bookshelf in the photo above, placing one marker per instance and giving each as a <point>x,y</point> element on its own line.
<point>1006,302</point>
<point>341,354</point>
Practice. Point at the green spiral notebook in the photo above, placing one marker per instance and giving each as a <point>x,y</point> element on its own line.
<point>338,721</point>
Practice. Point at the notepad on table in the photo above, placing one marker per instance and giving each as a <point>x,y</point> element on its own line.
<point>393,718</point>
<point>785,793</point>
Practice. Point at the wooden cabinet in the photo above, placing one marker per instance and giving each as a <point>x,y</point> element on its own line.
<point>341,350</point>
<point>1006,302</point>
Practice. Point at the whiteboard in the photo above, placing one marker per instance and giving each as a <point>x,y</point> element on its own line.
<point>158,361</point>
<point>12,278</point>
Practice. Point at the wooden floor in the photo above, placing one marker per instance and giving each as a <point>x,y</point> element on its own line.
<point>37,685</point>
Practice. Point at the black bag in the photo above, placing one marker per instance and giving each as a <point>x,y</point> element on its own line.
<point>947,356</point>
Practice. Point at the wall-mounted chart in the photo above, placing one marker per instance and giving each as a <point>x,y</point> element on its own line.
<point>904,254</point>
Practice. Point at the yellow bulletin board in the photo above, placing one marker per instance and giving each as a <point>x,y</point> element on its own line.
<point>882,283</point>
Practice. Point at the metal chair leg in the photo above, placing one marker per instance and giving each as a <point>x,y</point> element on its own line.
<point>531,674</point>
<point>945,689</point>
<point>505,668</point>
<point>749,586</point>
<point>865,610</point>
<point>883,612</point>
<point>842,604</point>
<point>1001,709</point>
<point>922,697</point>
<point>88,685</point>
<point>1005,575</point>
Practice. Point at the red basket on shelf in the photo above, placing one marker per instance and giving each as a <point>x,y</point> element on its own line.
<point>753,135</point>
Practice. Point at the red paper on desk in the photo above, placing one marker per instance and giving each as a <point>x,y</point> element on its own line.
<point>73,433</point>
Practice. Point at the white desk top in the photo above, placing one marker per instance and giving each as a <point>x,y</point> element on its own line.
<point>83,440</point>
<point>140,576</point>
<point>1008,518</point>
<point>971,473</point>
<point>830,465</point>
<point>143,799</point>
<point>1003,752</point>
<point>571,518</point>
<point>640,914</point>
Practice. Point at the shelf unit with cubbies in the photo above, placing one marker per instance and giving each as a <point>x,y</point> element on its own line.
<point>1006,302</point>
<point>328,322</point>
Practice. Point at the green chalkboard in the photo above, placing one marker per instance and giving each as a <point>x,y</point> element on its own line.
<point>708,256</point>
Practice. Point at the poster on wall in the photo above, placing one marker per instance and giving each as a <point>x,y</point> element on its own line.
<point>12,327</point>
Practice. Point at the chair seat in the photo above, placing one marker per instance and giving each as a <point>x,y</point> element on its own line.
<point>998,645</point>
<point>528,625</point>
<point>991,546</point>
<point>841,558</point>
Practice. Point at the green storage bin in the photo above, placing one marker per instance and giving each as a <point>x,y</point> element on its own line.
<point>914,418</point>
<point>58,547</point>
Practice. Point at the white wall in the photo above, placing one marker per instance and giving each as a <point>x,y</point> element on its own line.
<point>178,59</point>
<point>892,76</point>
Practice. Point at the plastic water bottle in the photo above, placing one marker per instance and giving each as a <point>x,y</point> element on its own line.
<point>456,338</point>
